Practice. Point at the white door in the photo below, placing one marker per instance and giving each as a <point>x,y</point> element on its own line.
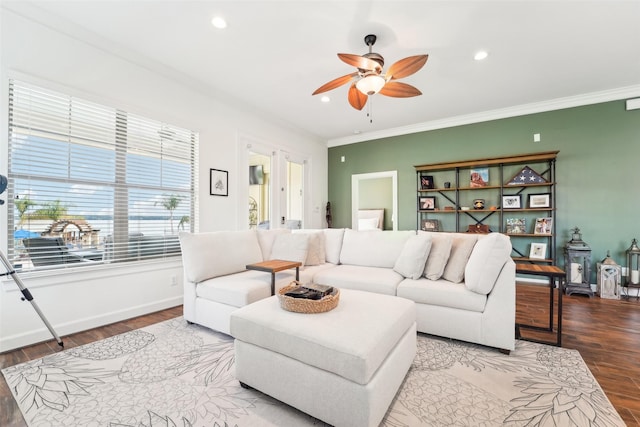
<point>293,172</point>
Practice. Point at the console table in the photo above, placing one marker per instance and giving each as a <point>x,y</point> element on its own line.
<point>273,266</point>
<point>552,272</point>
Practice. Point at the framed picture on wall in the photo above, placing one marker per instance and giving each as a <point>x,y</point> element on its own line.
<point>219,182</point>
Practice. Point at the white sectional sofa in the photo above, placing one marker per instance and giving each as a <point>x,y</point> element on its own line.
<point>463,284</point>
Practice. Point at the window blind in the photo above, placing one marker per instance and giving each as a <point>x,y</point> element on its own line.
<point>91,184</point>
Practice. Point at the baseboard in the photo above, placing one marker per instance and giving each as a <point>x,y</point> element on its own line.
<point>41,335</point>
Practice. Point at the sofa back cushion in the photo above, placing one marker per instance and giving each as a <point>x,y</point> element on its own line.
<point>412,259</point>
<point>438,255</point>
<point>373,248</point>
<point>213,254</point>
<point>461,248</point>
<point>489,255</point>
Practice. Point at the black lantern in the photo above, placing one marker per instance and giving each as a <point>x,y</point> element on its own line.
<point>577,259</point>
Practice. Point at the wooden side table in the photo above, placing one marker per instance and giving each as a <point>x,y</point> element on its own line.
<point>273,266</point>
<point>552,272</point>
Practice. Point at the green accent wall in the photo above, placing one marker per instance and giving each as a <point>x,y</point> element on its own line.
<point>597,169</point>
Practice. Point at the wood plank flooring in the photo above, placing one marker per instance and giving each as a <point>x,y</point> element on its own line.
<point>605,332</point>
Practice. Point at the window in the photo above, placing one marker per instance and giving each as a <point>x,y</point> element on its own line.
<point>92,184</point>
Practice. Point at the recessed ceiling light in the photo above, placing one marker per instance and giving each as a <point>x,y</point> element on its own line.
<point>219,22</point>
<point>325,99</point>
<point>480,55</point>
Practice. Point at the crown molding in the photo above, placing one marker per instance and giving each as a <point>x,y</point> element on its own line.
<point>503,113</point>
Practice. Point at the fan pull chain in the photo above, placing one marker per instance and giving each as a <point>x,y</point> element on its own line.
<point>370,109</point>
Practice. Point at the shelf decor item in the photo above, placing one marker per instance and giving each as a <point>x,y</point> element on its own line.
<point>430,225</point>
<point>426,203</point>
<point>516,226</point>
<point>542,200</point>
<point>479,177</point>
<point>478,204</point>
<point>543,226</point>
<point>526,176</point>
<point>512,202</point>
<point>426,182</point>
<point>538,251</point>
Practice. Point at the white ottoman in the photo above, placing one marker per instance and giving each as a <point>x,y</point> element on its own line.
<point>343,366</point>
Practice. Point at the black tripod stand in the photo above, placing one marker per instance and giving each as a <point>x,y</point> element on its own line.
<point>27,295</point>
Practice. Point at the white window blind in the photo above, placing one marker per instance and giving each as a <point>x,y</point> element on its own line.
<point>93,184</point>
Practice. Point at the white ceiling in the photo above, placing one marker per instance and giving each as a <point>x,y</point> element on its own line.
<point>274,54</point>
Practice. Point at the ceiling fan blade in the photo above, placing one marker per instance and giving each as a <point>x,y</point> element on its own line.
<point>399,90</point>
<point>335,83</point>
<point>360,62</point>
<point>407,66</point>
<point>357,99</point>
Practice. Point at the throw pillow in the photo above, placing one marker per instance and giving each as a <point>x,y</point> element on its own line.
<point>316,253</point>
<point>413,257</point>
<point>439,254</point>
<point>486,262</point>
<point>461,248</point>
<point>291,247</point>
<point>367,224</point>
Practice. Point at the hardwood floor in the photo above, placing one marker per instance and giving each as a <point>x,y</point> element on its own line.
<point>605,332</point>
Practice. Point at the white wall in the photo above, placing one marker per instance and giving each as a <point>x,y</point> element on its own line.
<point>90,68</point>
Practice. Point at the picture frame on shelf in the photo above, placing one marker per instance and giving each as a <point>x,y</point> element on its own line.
<point>426,203</point>
<point>516,226</point>
<point>479,177</point>
<point>538,251</point>
<point>543,226</point>
<point>540,201</point>
<point>513,201</point>
<point>426,182</point>
<point>430,225</point>
<point>219,182</point>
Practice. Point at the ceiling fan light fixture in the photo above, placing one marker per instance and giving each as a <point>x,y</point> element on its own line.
<point>371,84</point>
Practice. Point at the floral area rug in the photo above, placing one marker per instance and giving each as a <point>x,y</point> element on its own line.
<point>176,374</point>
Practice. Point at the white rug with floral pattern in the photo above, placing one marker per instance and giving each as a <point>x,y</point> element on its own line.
<point>176,374</point>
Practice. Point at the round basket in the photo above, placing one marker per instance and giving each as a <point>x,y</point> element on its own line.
<point>302,305</point>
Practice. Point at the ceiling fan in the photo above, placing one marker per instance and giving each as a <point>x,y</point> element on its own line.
<point>369,80</point>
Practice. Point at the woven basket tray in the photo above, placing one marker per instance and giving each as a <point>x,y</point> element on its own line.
<point>301,305</point>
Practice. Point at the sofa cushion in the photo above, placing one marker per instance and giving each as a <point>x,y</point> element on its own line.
<point>316,252</point>
<point>211,254</point>
<point>486,261</point>
<point>372,279</point>
<point>461,248</point>
<point>373,248</point>
<point>442,293</point>
<point>413,257</point>
<point>438,255</point>
<point>266,239</point>
<point>291,247</point>
<point>333,244</point>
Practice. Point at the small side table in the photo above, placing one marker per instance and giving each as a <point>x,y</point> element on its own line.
<point>273,266</point>
<point>552,272</point>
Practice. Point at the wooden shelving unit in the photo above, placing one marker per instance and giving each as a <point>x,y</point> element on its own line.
<point>448,201</point>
